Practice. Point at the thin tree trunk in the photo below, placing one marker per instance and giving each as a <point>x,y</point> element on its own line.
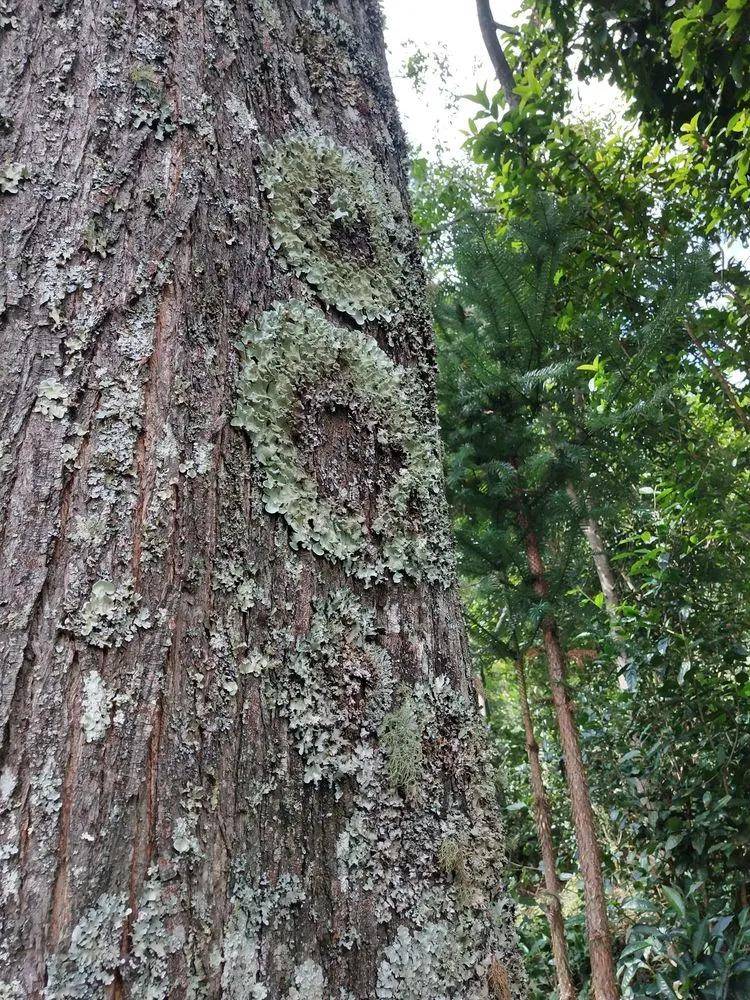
<point>543,818</point>
<point>237,723</point>
<point>603,977</point>
<point>593,534</point>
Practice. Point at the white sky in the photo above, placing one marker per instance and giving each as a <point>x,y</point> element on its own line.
<point>449,27</point>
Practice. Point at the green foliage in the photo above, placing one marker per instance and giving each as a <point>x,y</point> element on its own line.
<point>683,67</point>
<point>566,358</point>
<point>688,952</point>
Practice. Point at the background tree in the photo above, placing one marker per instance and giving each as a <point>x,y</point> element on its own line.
<point>240,749</point>
<point>642,403</point>
<point>683,67</point>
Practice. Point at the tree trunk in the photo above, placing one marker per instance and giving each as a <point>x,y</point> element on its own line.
<point>593,534</point>
<point>543,818</point>
<point>240,744</point>
<point>603,979</point>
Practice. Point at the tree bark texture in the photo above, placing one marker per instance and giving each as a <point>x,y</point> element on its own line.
<point>241,755</point>
<point>603,977</point>
<point>543,819</point>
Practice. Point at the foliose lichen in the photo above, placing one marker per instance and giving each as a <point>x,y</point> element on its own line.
<point>310,690</point>
<point>152,941</point>
<point>309,982</point>
<point>12,176</point>
<point>52,399</point>
<point>45,788</point>
<point>111,616</point>
<point>338,223</point>
<point>184,839</point>
<point>293,348</point>
<point>255,904</point>
<point>437,960</point>
<point>90,963</point>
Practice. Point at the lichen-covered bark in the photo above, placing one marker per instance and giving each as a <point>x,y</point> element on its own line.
<point>240,753</point>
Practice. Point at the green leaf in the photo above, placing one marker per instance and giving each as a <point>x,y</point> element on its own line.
<point>675,900</point>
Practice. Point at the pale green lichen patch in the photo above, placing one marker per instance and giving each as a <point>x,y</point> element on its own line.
<point>312,685</point>
<point>238,580</point>
<point>294,349</point>
<point>336,60</point>
<point>45,788</point>
<point>200,462</point>
<point>8,782</point>
<point>93,957</point>
<point>254,906</point>
<point>184,839</point>
<point>152,942</point>
<point>451,929</point>
<point>97,707</point>
<point>401,739</point>
<point>309,982</point>
<point>255,664</point>
<point>111,616</point>
<point>12,175</point>
<point>337,223</point>
<point>52,399</point>
<point>436,961</point>
<point>427,862</point>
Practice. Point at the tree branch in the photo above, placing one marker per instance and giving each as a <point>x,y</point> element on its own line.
<point>489,27</point>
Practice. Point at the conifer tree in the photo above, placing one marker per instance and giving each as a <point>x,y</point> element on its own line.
<point>512,360</point>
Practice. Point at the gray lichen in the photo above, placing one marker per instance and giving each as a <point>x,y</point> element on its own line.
<point>341,638</point>
<point>52,399</point>
<point>437,960</point>
<point>309,982</point>
<point>255,905</point>
<point>336,222</point>
<point>184,839</point>
<point>97,707</point>
<point>111,616</point>
<point>45,794</point>
<point>401,739</point>
<point>292,349</point>
<point>93,957</point>
<point>152,942</point>
<point>12,175</point>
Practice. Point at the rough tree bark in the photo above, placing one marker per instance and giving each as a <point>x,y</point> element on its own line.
<point>603,977</point>
<point>240,748</point>
<point>543,820</point>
